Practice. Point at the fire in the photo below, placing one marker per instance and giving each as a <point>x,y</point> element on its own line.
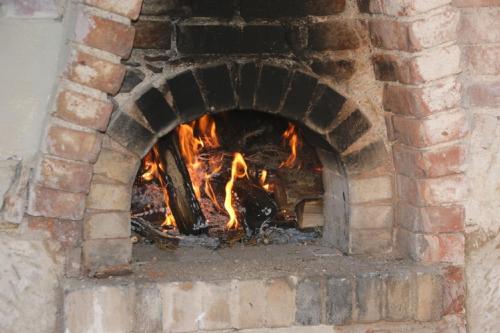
<point>191,146</point>
<point>239,170</point>
<point>293,141</point>
<point>193,137</point>
<point>152,166</point>
<point>263,180</point>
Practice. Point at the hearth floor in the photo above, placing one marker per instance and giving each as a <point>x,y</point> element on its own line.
<point>254,262</point>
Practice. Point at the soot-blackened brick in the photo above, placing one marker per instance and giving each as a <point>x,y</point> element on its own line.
<point>299,97</point>
<point>340,70</point>
<point>214,39</point>
<point>156,110</point>
<point>187,96</point>
<point>131,134</point>
<point>132,78</point>
<point>252,9</point>
<point>212,8</point>
<point>249,75</point>
<point>333,35</point>
<point>217,87</point>
<point>152,34</point>
<point>272,85</point>
<point>327,108</point>
<point>266,38</point>
<point>368,158</point>
<point>350,130</point>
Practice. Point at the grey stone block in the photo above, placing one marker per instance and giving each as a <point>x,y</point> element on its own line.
<point>339,300</point>
<point>308,302</point>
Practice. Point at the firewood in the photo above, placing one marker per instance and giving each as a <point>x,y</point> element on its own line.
<point>310,214</point>
<point>257,206</point>
<point>185,207</point>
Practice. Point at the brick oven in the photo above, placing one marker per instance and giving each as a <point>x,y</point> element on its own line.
<point>373,87</point>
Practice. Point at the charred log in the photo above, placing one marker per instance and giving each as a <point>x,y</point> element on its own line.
<point>257,206</point>
<point>183,203</point>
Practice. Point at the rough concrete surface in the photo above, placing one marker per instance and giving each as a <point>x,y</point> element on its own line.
<point>29,280</point>
<point>483,227</point>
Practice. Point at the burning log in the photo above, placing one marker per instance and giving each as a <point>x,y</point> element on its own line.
<point>183,203</point>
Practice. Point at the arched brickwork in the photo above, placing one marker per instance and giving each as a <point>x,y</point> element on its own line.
<point>287,91</point>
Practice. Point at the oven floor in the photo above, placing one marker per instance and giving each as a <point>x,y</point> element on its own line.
<point>252,262</point>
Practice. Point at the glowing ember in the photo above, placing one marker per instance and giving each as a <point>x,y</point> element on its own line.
<point>151,166</point>
<point>293,141</point>
<point>238,170</point>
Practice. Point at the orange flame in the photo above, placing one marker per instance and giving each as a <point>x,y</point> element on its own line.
<point>190,147</point>
<point>293,141</point>
<point>262,181</point>
<point>152,164</point>
<point>208,131</point>
<point>193,137</point>
<point>239,170</point>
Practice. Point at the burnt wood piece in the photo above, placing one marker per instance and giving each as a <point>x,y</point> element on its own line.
<point>185,207</point>
<point>145,229</point>
<point>257,206</point>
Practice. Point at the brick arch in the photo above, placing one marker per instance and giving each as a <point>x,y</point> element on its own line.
<point>287,91</point>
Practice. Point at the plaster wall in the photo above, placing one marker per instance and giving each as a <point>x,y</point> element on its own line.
<point>29,58</point>
<point>480,35</point>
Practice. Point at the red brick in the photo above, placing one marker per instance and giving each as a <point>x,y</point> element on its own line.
<point>390,35</point>
<point>431,31</point>
<point>476,3</point>
<point>431,219</point>
<point>432,191</point>
<point>480,26</point>
<point>68,233</point>
<point>440,128</point>
<point>83,110</point>
<point>128,8</point>
<point>483,59</point>
<point>484,94</point>
<point>400,7</point>
<point>453,290</point>
<point>391,135</point>
<point>422,101</point>
<point>431,163</point>
<point>387,67</point>
<point>55,203</point>
<point>96,73</point>
<point>72,144</point>
<point>433,64</point>
<point>64,175</point>
<point>104,34</point>
<point>433,248</point>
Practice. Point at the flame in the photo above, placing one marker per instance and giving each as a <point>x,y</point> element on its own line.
<point>193,137</point>
<point>208,131</point>
<point>293,141</point>
<point>262,181</point>
<point>239,170</point>
<point>151,166</point>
